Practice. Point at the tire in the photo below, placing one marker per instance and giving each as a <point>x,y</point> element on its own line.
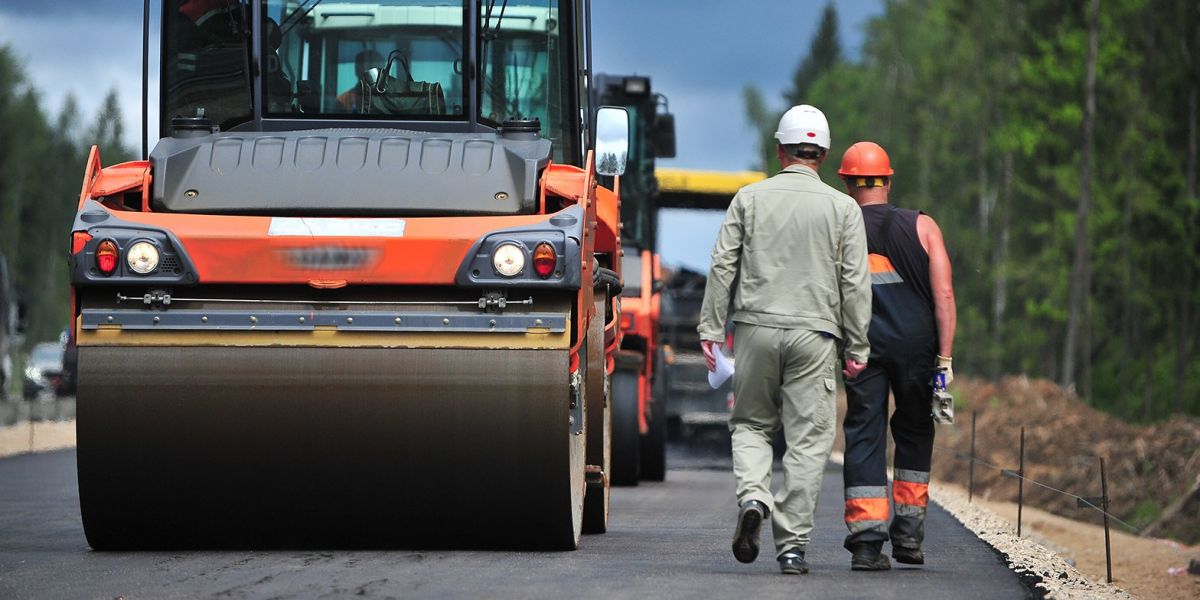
<point>654,443</point>
<point>599,425</point>
<point>626,434</point>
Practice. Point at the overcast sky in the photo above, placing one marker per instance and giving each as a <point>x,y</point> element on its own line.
<point>699,53</point>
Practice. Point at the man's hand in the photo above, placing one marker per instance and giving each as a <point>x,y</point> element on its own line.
<point>945,364</point>
<point>853,368</point>
<point>710,359</point>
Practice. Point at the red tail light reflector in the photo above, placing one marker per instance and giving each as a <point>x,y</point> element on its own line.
<point>106,257</point>
<point>628,321</point>
<point>544,260</point>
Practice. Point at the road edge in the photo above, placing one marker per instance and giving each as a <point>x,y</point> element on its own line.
<point>1042,571</point>
<point>36,436</point>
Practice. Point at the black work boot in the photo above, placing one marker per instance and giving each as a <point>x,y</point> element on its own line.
<point>908,556</point>
<point>867,557</point>
<point>745,538</point>
<point>792,562</point>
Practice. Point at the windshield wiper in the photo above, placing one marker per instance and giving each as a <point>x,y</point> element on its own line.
<point>303,6</point>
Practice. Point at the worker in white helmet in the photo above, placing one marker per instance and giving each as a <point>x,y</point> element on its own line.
<point>798,251</point>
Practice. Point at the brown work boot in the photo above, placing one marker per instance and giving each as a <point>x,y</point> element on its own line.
<point>908,556</point>
<point>867,557</point>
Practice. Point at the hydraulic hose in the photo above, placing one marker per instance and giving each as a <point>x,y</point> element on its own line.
<point>607,277</point>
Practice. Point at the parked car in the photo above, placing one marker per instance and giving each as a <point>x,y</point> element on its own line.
<point>43,369</point>
<point>70,363</point>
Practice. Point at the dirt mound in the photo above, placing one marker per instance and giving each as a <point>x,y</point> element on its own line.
<point>1150,468</point>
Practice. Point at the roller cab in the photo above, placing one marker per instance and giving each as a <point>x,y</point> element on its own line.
<point>358,295</point>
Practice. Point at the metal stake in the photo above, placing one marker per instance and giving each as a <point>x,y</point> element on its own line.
<point>971,465</point>
<point>1104,503</point>
<point>1021,483</point>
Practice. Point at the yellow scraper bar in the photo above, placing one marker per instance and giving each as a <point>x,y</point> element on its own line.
<point>717,183</point>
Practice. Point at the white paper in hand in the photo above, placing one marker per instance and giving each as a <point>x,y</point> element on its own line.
<point>724,368</point>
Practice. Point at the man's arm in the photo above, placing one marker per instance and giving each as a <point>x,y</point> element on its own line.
<point>726,253</point>
<point>941,281</point>
<point>855,284</point>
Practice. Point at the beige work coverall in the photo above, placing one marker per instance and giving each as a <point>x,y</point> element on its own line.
<point>798,251</point>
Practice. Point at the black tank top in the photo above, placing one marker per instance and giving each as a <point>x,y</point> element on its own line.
<point>902,295</point>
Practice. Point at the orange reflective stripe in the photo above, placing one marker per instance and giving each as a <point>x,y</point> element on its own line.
<point>912,494</point>
<point>866,509</point>
<point>880,263</point>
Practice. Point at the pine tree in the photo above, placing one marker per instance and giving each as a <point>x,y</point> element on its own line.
<point>824,53</point>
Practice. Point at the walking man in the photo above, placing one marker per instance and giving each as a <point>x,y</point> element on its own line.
<point>797,249</point>
<point>911,337</point>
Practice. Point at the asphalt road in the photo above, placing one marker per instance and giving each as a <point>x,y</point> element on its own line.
<point>668,540</point>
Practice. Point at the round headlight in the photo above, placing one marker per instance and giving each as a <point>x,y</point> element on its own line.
<point>142,257</point>
<point>508,259</point>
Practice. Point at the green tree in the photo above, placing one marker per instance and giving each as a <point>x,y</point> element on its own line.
<point>824,55</point>
<point>983,108</point>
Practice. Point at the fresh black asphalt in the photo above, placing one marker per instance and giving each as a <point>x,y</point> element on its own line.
<point>667,540</point>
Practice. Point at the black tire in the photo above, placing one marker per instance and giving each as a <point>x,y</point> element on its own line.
<point>599,425</point>
<point>626,434</point>
<point>654,443</point>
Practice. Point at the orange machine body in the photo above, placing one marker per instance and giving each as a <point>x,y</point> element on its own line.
<point>639,327</point>
<point>231,249</point>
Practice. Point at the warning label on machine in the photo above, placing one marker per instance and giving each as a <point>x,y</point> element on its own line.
<point>317,227</point>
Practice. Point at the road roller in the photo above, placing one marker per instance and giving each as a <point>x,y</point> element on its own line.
<point>362,292</point>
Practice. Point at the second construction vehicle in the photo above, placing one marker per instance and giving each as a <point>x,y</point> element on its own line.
<point>638,412</point>
<point>358,294</point>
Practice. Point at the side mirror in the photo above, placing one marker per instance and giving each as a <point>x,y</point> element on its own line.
<point>612,140</point>
<point>664,135</point>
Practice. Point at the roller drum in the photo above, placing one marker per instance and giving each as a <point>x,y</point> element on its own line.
<point>269,447</point>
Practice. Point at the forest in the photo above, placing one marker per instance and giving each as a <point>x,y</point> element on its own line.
<point>1055,144</point>
<point>41,172</point>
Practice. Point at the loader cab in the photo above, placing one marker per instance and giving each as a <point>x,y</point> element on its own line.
<point>651,136</point>
<point>467,66</point>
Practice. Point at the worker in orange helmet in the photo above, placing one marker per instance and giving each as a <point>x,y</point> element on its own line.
<point>911,337</point>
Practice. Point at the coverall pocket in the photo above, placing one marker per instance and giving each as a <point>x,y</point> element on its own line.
<point>826,413</point>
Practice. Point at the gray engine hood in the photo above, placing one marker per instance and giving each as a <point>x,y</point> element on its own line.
<point>348,172</point>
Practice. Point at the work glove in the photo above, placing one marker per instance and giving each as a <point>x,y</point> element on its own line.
<point>944,367</point>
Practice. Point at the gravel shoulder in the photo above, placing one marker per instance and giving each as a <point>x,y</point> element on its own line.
<point>1140,565</point>
<point>1042,568</point>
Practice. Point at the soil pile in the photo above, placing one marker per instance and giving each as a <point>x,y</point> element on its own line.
<point>1151,469</point>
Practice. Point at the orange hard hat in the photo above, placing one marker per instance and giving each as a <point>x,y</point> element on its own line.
<point>865,159</point>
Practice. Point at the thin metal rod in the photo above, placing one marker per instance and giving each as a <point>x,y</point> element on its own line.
<point>1021,484</point>
<point>145,78</point>
<point>971,466</point>
<point>1104,501</point>
<point>1010,473</point>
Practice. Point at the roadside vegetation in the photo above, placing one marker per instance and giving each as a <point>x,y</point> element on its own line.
<point>1055,143</point>
<point>41,172</point>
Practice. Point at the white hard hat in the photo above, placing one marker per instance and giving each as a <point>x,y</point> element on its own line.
<point>803,124</point>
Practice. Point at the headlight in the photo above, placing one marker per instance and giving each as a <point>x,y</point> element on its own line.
<point>508,259</point>
<point>142,257</point>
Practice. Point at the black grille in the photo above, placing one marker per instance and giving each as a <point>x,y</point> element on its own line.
<point>169,264</point>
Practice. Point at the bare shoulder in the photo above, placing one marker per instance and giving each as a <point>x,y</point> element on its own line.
<point>926,226</point>
<point>929,233</point>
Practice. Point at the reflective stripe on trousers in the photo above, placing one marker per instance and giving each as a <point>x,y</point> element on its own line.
<point>910,492</point>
